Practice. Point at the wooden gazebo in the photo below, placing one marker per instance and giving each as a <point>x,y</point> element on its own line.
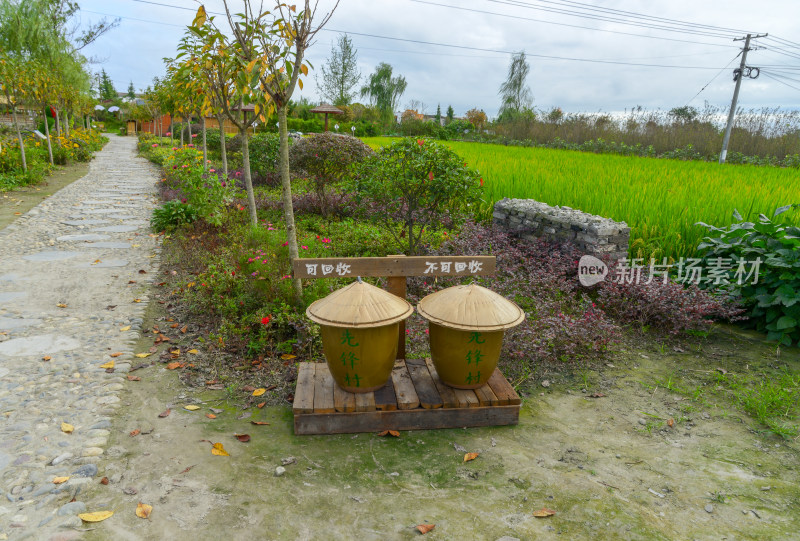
<point>327,109</point>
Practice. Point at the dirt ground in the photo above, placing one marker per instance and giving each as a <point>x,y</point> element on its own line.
<point>17,202</point>
<point>657,453</point>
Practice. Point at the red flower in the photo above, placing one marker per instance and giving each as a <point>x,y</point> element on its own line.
<point>430,175</point>
<point>481,182</point>
<point>420,142</point>
<point>265,320</point>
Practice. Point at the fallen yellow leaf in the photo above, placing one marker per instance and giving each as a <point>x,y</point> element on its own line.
<point>126,328</point>
<point>97,516</point>
<point>259,392</point>
<point>46,358</point>
<point>137,300</point>
<point>59,480</point>
<point>287,356</point>
<point>117,354</point>
<point>191,407</point>
<point>544,512</point>
<point>143,510</point>
<point>109,364</point>
<point>425,528</point>
<point>219,450</point>
<point>193,351</point>
<point>61,305</point>
<point>142,355</point>
<point>67,428</point>
<point>470,456</point>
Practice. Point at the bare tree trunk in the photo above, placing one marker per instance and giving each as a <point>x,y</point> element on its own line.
<point>205,145</point>
<point>286,196</point>
<point>182,125</point>
<point>57,123</point>
<point>47,133</point>
<point>222,143</point>
<point>66,124</point>
<point>19,137</point>
<point>248,180</point>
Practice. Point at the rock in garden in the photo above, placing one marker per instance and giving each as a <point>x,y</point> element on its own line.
<point>709,508</point>
<point>71,508</point>
<point>279,471</point>
<point>87,470</point>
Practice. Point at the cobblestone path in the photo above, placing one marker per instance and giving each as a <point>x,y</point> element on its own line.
<point>74,276</point>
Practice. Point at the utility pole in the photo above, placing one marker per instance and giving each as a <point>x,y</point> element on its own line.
<point>737,76</point>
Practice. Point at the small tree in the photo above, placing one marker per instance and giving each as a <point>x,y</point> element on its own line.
<point>106,87</point>
<point>131,91</point>
<point>477,117</point>
<point>414,184</point>
<point>450,114</point>
<point>515,94</point>
<point>384,91</point>
<point>326,158</point>
<point>438,114</point>
<point>340,74</point>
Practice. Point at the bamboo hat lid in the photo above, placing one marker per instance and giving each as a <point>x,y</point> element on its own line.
<point>359,305</point>
<point>470,308</point>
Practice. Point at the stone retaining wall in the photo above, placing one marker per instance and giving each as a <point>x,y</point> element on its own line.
<point>592,234</point>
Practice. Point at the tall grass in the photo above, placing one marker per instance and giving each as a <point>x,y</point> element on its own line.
<point>660,199</point>
<point>757,132</point>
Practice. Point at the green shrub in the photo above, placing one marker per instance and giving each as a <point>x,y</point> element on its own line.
<point>206,191</point>
<point>774,299</point>
<point>264,150</point>
<point>325,159</point>
<point>172,214</point>
<point>418,184</point>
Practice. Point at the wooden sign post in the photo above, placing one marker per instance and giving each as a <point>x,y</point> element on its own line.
<point>396,269</point>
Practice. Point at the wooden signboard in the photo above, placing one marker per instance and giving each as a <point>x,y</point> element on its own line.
<point>342,267</point>
<point>396,268</point>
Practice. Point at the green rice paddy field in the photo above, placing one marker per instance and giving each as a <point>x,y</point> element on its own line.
<point>661,200</point>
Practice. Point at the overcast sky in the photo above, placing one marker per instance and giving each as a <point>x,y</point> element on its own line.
<point>484,32</point>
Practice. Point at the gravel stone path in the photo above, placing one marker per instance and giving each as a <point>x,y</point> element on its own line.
<point>74,272</point>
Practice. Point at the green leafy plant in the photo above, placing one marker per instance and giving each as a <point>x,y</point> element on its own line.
<point>172,214</point>
<point>416,184</point>
<point>774,249</point>
<point>206,191</point>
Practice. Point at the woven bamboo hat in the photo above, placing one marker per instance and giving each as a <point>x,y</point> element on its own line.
<point>359,305</point>
<point>470,308</point>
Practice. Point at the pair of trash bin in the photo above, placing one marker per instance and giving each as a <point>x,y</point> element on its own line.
<point>360,324</point>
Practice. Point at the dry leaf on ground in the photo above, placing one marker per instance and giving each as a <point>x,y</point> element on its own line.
<point>425,528</point>
<point>46,358</point>
<point>544,512</point>
<point>117,354</point>
<point>211,416</point>
<point>143,510</point>
<point>97,516</point>
<point>244,438</point>
<point>259,423</point>
<point>259,392</point>
<point>288,356</point>
<point>393,433</point>
<point>193,352</point>
<point>104,481</point>
<point>191,407</point>
<point>61,305</point>
<point>126,328</point>
<point>470,456</point>
<point>67,428</point>
<point>261,405</point>
<point>219,450</point>
<point>142,355</point>
<point>164,413</point>
<point>133,433</point>
<point>173,366</point>
<point>133,378</point>
<point>59,480</point>
<point>109,364</point>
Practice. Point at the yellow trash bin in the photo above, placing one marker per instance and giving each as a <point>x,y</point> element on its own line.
<point>359,327</point>
<point>466,328</point>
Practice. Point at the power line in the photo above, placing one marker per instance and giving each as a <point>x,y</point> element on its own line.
<point>460,8</point>
<point>780,76</point>
<point>470,48</point>
<point>781,82</point>
<point>712,79</point>
<point>628,13</point>
<point>617,20</point>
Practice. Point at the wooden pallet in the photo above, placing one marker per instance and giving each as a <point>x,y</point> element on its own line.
<point>414,398</point>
